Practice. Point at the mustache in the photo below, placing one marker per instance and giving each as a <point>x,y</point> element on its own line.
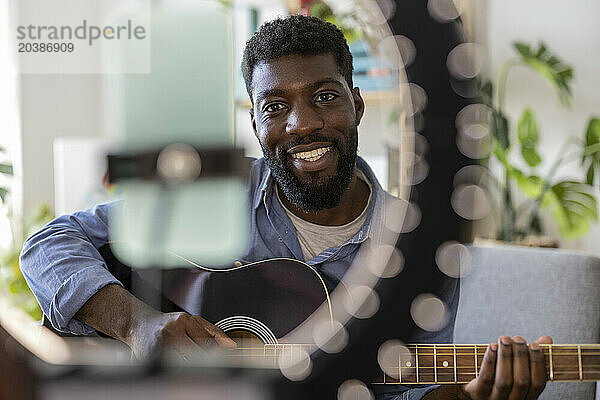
<point>311,138</point>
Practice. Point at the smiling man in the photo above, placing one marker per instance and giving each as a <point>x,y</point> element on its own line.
<point>306,118</point>
<point>311,198</point>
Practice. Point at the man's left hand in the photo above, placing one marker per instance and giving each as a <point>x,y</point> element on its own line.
<point>510,370</point>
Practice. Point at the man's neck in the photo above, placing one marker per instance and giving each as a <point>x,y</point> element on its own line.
<point>354,201</point>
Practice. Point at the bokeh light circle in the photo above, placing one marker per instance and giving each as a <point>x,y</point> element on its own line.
<point>412,219</point>
<point>429,312</point>
<point>474,124</point>
<point>466,61</point>
<point>420,171</point>
<point>475,141</point>
<point>474,114</point>
<point>295,363</point>
<point>418,96</point>
<point>354,389</point>
<point>391,355</point>
<point>443,10</point>
<point>471,174</point>
<point>386,261</point>
<point>453,259</point>
<point>404,45</point>
<point>361,302</point>
<point>379,13</point>
<point>330,336</point>
<point>470,202</point>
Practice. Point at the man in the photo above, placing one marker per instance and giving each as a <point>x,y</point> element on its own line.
<point>311,198</point>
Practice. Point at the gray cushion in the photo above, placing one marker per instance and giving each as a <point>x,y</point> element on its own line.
<point>514,290</point>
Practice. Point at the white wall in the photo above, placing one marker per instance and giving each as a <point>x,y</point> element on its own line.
<point>571,30</point>
<point>53,106</point>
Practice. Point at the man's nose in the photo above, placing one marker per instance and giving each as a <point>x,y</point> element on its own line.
<point>303,120</point>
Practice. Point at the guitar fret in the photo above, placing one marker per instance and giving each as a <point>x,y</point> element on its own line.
<point>590,360</point>
<point>435,364</point>
<point>417,360</point>
<point>476,369</point>
<point>579,362</point>
<point>550,358</point>
<point>454,353</point>
<point>400,367</point>
<point>565,363</point>
<point>464,363</point>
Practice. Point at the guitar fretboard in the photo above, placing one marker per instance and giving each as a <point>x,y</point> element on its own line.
<point>269,355</point>
<point>448,363</point>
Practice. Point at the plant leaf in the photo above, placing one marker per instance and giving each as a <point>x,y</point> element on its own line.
<point>501,155</point>
<point>522,49</point>
<point>548,66</point>
<point>529,138</point>
<point>592,134</point>
<point>591,151</point>
<point>501,131</point>
<point>589,176</point>
<point>572,206</point>
<point>530,185</point>
<point>536,225</point>
<point>6,169</point>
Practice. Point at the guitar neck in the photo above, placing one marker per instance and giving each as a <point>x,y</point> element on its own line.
<point>460,363</point>
<point>439,363</point>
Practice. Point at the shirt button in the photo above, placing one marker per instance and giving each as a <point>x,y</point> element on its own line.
<point>280,239</point>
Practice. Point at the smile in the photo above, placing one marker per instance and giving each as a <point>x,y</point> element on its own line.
<point>312,155</point>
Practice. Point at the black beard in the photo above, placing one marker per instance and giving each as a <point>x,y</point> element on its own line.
<point>319,192</point>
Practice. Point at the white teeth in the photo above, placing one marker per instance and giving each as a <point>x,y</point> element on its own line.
<point>312,155</point>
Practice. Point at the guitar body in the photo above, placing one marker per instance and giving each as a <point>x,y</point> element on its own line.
<point>266,299</point>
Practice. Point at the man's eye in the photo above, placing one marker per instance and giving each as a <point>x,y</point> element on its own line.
<point>326,97</point>
<point>274,107</point>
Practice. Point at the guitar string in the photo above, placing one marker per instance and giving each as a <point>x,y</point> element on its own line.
<point>562,368</point>
<point>450,346</point>
<point>469,352</point>
<point>560,354</point>
<point>569,354</point>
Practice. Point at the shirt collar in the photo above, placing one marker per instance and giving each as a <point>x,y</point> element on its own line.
<point>266,182</point>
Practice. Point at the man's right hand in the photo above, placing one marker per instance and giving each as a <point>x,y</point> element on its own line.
<point>177,331</point>
<point>117,313</point>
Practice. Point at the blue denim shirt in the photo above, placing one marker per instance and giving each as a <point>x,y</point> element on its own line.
<point>63,268</point>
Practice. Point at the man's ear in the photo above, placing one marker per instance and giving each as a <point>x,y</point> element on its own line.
<point>359,104</point>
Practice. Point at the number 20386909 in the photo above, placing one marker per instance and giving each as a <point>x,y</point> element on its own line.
<point>46,47</point>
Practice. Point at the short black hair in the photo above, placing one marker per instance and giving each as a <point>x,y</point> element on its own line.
<point>296,34</point>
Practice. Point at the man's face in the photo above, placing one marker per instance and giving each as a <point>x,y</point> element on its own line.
<point>305,118</point>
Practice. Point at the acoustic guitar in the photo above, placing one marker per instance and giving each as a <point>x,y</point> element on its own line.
<point>259,303</point>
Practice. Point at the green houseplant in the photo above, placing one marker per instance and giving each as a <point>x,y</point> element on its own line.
<point>571,203</point>
<point>12,282</point>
